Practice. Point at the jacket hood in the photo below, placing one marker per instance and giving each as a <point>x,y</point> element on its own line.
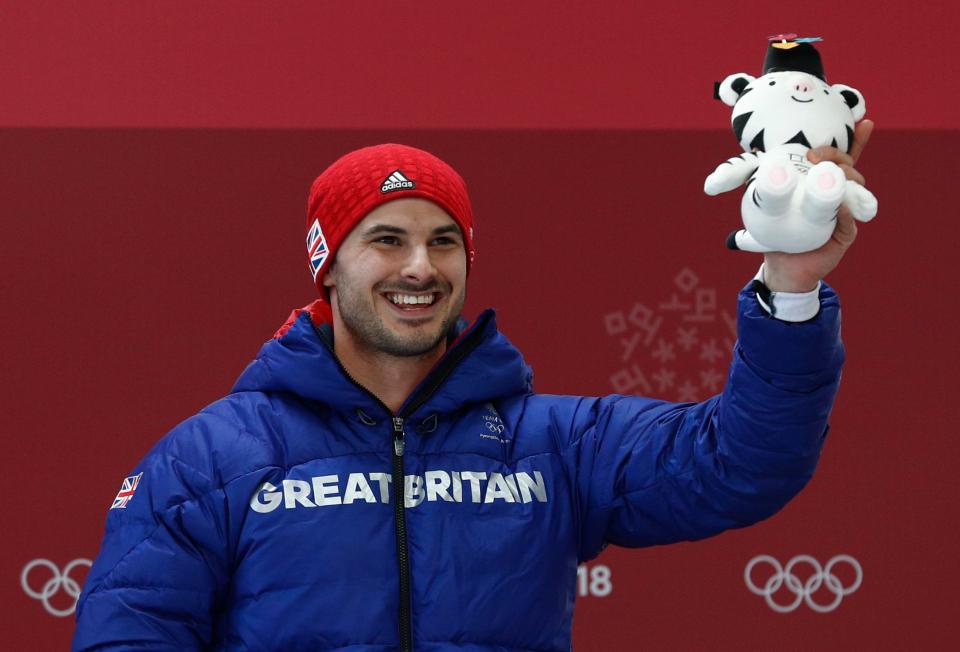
<point>480,365</point>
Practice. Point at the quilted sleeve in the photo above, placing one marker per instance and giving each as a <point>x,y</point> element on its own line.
<point>163,565</point>
<point>651,472</point>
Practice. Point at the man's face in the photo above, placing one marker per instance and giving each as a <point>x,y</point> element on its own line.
<point>399,278</point>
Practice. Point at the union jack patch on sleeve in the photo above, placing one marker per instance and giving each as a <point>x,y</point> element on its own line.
<point>126,491</point>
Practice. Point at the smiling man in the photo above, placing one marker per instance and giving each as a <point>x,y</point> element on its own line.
<point>383,476</point>
<point>397,288</point>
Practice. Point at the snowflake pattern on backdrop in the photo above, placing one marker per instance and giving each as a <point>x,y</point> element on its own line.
<point>678,350</point>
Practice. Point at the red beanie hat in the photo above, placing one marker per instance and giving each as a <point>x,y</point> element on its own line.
<point>357,183</point>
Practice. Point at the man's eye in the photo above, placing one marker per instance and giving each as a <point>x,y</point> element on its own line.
<point>445,240</point>
<point>388,239</point>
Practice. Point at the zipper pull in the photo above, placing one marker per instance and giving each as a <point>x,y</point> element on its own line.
<point>398,436</point>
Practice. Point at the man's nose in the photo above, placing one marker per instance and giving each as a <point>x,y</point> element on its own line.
<point>418,265</point>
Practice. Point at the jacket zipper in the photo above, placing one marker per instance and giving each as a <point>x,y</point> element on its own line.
<point>400,526</point>
<point>465,346</point>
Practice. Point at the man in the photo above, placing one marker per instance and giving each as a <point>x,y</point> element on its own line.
<point>382,477</point>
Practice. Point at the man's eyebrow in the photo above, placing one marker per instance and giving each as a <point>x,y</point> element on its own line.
<point>384,228</point>
<point>389,228</point>
<point>447,228</point>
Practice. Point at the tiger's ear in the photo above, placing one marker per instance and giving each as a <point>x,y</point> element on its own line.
<point>854,100</point>
<point>730,89</point>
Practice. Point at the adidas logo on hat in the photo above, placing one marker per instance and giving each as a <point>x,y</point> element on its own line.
<point>396,181</point>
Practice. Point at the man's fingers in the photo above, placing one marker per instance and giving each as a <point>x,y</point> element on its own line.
<point>846,230</point>
<point>827,153</point>
<point>853,175</point>
<point>861,135</point>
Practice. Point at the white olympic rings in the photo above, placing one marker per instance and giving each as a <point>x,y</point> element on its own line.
<point>60,580</point>
<point>803,590</point>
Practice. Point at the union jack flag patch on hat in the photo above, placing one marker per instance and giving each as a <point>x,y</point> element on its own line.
<point>316,248</point>
<point>126,491</point>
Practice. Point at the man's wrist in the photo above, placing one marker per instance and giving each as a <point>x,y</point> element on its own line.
<point>782,283</point>
<point>786,306</point>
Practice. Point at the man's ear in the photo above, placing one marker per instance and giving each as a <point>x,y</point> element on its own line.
<point>328,279</point>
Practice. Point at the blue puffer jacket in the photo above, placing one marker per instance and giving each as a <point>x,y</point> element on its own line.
<point>271,520</point>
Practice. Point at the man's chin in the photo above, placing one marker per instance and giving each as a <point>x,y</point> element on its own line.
<point>410,347</point>
<point>427,339</point>
<point>416,336</point>
<point>411,333</point>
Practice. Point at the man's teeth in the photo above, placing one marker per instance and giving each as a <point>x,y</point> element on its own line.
<point>401,299</point>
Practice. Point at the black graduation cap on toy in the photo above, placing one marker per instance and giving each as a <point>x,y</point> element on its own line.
<point>787,52</point>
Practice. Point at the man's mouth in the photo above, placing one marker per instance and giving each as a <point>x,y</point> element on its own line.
<point>410,302</point>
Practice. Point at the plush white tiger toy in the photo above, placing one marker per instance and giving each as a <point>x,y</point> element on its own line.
<point>790,204</point>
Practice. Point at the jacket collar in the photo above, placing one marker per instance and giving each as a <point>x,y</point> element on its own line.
<point>480,365</point>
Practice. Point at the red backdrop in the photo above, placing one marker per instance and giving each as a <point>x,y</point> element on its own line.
<point>144,267</point>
